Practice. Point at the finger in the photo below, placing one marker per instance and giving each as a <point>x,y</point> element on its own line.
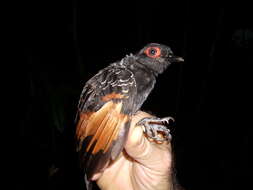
<point>136,142</point>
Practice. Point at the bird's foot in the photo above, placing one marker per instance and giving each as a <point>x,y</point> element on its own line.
<point>157,128</point>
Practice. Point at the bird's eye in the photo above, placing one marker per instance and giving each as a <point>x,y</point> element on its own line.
<point>153,52</point>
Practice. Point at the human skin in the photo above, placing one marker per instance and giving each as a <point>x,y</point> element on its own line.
<point>144,163</point>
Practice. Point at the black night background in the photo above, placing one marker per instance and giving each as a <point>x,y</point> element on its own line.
<point>59,45</point>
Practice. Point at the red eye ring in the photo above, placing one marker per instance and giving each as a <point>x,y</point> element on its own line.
<point>156,50</point>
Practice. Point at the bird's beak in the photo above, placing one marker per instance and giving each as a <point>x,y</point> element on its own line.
<point>175,59</point>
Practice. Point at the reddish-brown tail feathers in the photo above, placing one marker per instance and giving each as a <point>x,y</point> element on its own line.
<point>101,136</point>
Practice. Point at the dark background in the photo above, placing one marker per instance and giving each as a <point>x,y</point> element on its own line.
<point>59,45</point>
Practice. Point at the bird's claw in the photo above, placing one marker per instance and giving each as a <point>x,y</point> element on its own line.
<point>156,129</point>
<point>167,120</point>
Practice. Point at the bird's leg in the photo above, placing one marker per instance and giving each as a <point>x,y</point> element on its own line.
<point>154,126</point>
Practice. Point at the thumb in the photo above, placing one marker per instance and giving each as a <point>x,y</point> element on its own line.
<point>137,145</point>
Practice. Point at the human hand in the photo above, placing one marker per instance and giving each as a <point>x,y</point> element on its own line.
<point>144,164</point>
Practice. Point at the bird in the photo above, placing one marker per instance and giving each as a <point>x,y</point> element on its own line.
<point>108,102</point>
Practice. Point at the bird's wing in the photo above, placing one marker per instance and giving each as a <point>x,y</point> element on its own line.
<point>104,116</point>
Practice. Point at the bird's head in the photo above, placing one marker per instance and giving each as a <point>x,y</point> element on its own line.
<point>157,57</point>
